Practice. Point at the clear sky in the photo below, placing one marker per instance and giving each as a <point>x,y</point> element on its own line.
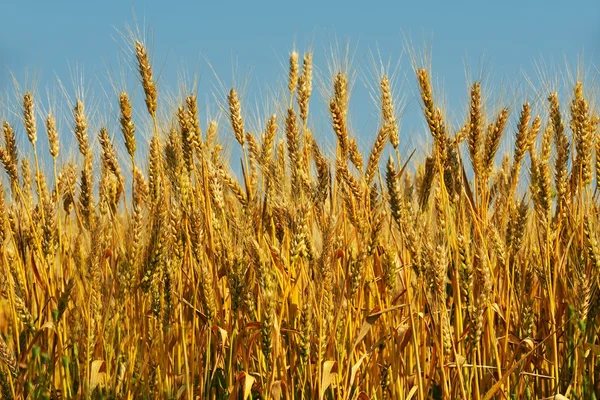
<point>504,39</point>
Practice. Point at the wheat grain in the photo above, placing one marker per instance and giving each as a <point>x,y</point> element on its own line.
<point>235,116</point>
<point>127,125</point>
<point>145,70</point>
<point>305,86</point>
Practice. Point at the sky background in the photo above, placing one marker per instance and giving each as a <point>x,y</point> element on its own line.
<point>249,42</point>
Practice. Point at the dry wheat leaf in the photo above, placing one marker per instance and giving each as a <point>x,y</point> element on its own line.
<point>370,321</point>
<point>277,389</point>
<point>96,377</point>
<point>412,392</point>
<point>244,382</point>
<point>330,369</point>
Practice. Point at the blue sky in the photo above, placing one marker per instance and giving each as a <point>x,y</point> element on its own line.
<point>505,40</point>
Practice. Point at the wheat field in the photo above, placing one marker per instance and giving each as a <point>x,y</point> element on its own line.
<point>305,273</point>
